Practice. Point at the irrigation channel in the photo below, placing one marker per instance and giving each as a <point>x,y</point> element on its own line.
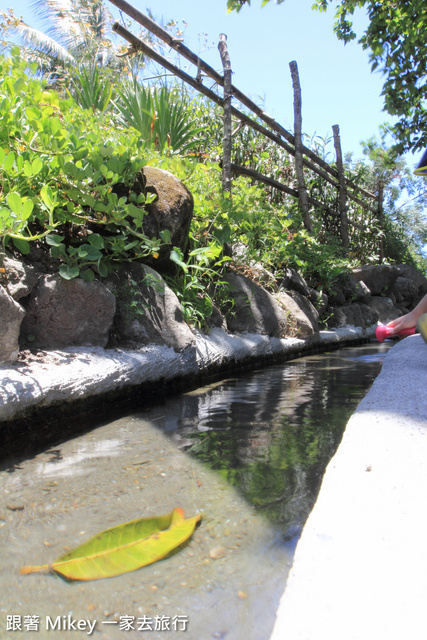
<point>247,452</point>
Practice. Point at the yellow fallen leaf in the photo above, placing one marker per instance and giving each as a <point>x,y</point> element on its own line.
<point>124,548</point>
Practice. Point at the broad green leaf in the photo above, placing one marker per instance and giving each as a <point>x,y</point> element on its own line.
<point>54,240</point>
<point>15,202</point>
<point>33,113</point>
<point>59,251</point>
<point>22,245</point>
<point>165,235</point>
<point>87,275</point>
<point>55,125</point>
<point>9,162</point>
<point>27,209</point>
<point>5,214</point>
<point>19,85</point>
<point>102,269</point>
<point>131,245</point>
<point>106,151</point>
<point>176,256</point>
<point>87,199</point>
<point>37,165</point>
<point>124,548</point>
<point>68,273</point>
<point>89,252</point>
<point>28,171</point>
<point>73,171</point>
<point>136,213</point>
<point>47,196</point>
<point>101,207</point>
<point>96,240</point>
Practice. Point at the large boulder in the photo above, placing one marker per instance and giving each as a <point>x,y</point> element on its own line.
<point>354,314</point>
<point>379,278</point>
<point>64,313</point>
<point>384,307</point>
<point>336,296</point>
<point>254,310</point>
<point>410,286</point>
<point>347,289</point>
<point>148,312</point>
<point>302,317</point>
<point>405,291</point>
<point>420,281</point>
<point>291,279</point>
<point>171,210</point>
<point>11,314</point>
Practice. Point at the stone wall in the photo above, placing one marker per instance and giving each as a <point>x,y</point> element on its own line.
<point>134,306</point>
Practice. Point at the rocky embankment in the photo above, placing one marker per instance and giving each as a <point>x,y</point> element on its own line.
<point>72,345</point>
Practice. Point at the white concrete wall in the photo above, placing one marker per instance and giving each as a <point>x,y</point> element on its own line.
<point>82,372</point>
<point>360,568</point>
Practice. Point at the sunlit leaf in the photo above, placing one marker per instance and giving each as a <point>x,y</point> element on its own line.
<point>124,548</point>
<point>67,272</point>
<point>15,202</point>
<point>47,196</point>
<point>27,209</point>
<point>177,256</point>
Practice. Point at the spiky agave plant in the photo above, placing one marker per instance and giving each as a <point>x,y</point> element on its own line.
<point>91,88</point>
<point>161,115</point>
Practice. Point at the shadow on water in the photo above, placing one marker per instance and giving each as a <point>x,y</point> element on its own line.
<point>271,433</point>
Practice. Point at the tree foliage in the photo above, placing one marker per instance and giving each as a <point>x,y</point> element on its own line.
<point>396,39</point>
<point>75,31</point>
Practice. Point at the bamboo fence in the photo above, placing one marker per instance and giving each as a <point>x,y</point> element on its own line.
<point>291,143</point>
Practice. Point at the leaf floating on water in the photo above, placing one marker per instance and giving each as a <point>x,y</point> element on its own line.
<point>124,548</point>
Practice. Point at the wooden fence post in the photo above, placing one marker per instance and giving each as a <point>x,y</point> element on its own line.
<point>226,159</point>
<point>380,215</point>
<point>302,191</point>
<point>342,191</point>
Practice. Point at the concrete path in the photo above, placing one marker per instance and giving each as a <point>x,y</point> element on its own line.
<point>360,568</point>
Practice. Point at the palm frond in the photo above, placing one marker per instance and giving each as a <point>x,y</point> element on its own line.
<point>74,22</point>
<point>40,42</point>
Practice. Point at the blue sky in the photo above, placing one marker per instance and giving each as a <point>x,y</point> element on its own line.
<point>337,84</point>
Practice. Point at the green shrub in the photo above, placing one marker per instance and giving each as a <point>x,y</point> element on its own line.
<point>68,178</point>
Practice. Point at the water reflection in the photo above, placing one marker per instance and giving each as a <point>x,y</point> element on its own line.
<point>272,432</point>
<point>74,464</point>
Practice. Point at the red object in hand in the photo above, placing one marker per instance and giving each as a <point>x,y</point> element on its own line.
<point>382,332</point>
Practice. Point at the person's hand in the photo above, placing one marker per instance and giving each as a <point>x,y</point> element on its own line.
<point>404,322</point>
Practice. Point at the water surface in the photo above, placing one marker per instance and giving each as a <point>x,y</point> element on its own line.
<point>247,452</point>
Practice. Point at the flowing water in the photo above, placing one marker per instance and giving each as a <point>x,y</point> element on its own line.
<point>247,452</point>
